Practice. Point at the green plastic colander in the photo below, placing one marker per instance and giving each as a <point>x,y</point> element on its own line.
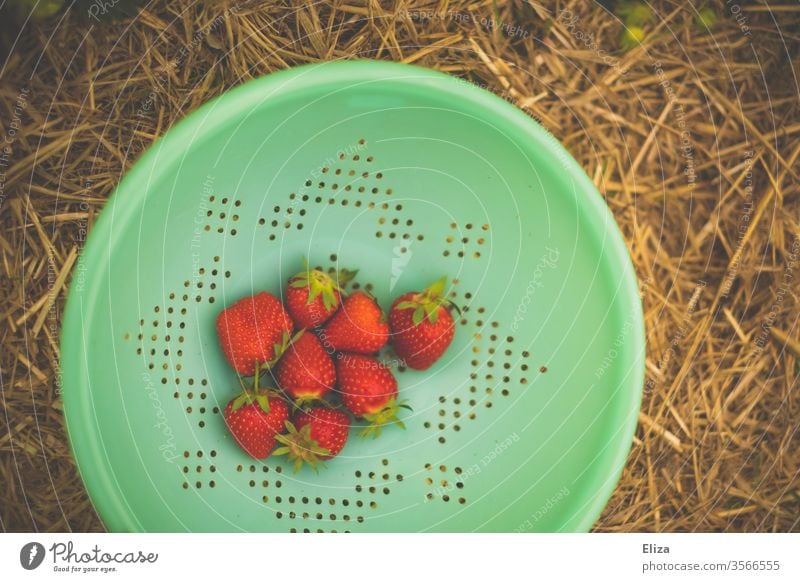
<point>406,174</point>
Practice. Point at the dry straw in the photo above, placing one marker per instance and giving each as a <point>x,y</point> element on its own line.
<point>691,137</point>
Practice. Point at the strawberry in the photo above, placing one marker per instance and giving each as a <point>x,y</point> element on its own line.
<point>305,371</point>
<point>312,296</point>
<point>368,390</point>
<point>359,326</point>
<point>318,434</point>
<point>255,418</point>
<point>422,327</point>
<point>250,329</point>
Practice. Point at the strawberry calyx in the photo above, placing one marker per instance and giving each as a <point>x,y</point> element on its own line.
<point>300,448</point>
<point>280,348</point>
<point>426,304</point>
<point>322,284</point>
<point>248,397</point>
<point>387,415</point>
<point>306,402</point>
<point>254,394</point>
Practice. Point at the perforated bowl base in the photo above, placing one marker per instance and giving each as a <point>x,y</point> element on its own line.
<point>406,175</point>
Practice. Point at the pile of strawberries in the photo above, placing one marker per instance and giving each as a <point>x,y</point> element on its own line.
<point>319,351</point>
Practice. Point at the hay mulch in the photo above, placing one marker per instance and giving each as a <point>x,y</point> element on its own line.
<point>692,137</point>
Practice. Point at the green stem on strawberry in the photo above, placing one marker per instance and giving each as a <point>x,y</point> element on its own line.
<point>300,447</point>
<point>427,303</point>
<point>280,349</point>
<point>254,394</point>
<point>306,402</point>
<point>387,415</point>
<point>322,284</point>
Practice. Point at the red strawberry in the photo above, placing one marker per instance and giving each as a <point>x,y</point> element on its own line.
<point>312,296</point>
<point>317,434</point>
<point>255,418</point>
<point>422,327</point>
<point>305,371</point>
<point>249,330</point>
<point>368,390</point>
<point>359,326</point>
